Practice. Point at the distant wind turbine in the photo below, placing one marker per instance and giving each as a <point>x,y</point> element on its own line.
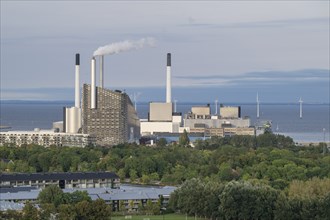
<point>216,106</point>
<point>301,111</point>
<point>135,97</point>
<point>175,101</point>
<point>257,105</point>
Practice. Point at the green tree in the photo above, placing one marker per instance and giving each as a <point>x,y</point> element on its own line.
<point>133,175</point>
<point>212,192</point>
<point>184,139</point>
<point>162,142</point>
<point>100,210</point>
<point>66,212</point>
<point>51,194</point>
<point>30,212</point>
<point>83,210</point>
<point>76,196</point>
<point>47,210</point>
<point>190,197</point>
<point>226,173</point>
<point>145,179</point>
<point>121,173</point>
<point>11,214</point>
<point>243,200</point>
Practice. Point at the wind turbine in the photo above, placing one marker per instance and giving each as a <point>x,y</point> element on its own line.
<point>175,101</point>
<point>301,111</point>
<point>257,105</point>
<point>216,106</point>
<point>135,96</point>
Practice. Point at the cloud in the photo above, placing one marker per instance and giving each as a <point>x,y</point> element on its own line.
<point>266,77</point>
<point>264,24</point>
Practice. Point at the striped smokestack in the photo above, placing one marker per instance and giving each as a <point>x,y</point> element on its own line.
<point>168,79</point>
<point>77,86</point>
<point>102,71</point>
<point>93,83</point>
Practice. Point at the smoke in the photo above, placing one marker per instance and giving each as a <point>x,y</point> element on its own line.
<point>124,46</point>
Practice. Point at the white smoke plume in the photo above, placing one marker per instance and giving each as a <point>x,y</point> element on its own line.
<point>124,46</point>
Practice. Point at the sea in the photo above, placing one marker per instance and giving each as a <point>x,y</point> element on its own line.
<point>314,126</point>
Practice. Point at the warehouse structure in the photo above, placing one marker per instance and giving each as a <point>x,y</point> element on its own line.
<point>127,197</point>
<point>63,180</point>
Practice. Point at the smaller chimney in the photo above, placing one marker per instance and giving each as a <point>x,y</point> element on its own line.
<point>168,79</point>
<point>102,71</point>
<point>77,86</point>
<point>93,84</point>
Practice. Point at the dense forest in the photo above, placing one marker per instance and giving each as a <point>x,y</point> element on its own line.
<point>276,160</point>
<point>239,177</point>
<point>253,199</point>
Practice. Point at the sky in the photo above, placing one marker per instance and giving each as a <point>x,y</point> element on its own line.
<point>225,50</point>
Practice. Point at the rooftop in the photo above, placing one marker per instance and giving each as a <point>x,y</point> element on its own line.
<point>57,176</point>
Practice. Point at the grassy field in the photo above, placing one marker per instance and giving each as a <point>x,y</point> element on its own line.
<point>154,217</point>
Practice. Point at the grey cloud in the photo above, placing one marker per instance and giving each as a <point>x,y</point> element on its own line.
<point>273,77</point>
<point>264,24</point>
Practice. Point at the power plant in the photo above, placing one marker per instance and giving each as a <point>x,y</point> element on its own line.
<point>105,117</point>
<point>72,115</point>
<point>163,121</point>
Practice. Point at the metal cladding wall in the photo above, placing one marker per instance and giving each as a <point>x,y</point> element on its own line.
<point>72,122</point>
<point>113,118</point>
<point>230,112</point>
<point>160,111</point>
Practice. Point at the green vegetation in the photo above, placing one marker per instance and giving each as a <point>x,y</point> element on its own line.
<point>241,177</point>
<point>275,160</point>
<point>156,217</point>
<point>253,200</point>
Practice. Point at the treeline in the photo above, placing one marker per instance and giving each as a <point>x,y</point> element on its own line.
<point>276,162</point>
<point>253,200</point>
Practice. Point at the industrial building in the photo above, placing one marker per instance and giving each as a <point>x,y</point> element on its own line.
<point>72,115</point>
<point>127,196</point>
<point>108,115</point>
<point>63,180</point>
<point>104,117</point>
<point>228,123</point>
<point>46,138</point>
<point>161,117</point>
<point>163,121</point>
<point>113,120</point>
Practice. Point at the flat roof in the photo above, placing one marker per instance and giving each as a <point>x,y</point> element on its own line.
<point>126,192</point>
<point>57,176</point>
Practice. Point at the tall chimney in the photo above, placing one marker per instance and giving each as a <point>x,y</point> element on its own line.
<point>101,71</point>
<point>168,79</point>
<point>77,86</point>
<point>93,85</point>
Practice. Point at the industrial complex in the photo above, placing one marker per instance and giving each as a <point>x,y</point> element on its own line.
<point>163,121</point>
<point>105,117</point>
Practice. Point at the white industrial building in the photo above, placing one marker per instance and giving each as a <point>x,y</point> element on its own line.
<point>161,117</point>
<point>199,121</point>
<point>228,123</point>
<point>46,138</point>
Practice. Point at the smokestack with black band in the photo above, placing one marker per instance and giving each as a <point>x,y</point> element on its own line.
<point>101,71</point>
<point>168,79</point>
<point>93,83</point>
<point>77,86</point>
